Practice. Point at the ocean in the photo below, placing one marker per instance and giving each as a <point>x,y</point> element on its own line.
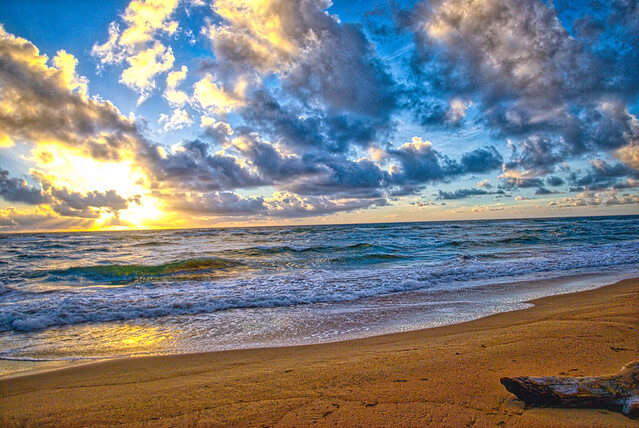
<point>76,297</point>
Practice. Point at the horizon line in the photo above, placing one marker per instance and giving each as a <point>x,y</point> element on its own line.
<point>41,231</point>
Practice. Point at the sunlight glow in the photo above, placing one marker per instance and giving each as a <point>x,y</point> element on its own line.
<point>65,167</point>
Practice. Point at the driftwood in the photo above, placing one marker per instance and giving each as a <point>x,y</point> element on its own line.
<point>619,392</point>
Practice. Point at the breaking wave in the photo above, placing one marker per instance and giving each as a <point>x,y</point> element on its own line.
<point>116,273</point>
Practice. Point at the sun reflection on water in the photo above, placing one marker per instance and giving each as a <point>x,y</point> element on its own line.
<point>103,340</point>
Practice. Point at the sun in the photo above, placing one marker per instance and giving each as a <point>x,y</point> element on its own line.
<point>144,215</point>
<point>65,167</point>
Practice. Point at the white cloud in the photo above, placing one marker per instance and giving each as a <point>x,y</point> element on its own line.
<point>216,98</point>
<point>178,120</point>
<point>174,96</point>
<point>136,44</point>
<point>145,18</point>
<point>144,66</point>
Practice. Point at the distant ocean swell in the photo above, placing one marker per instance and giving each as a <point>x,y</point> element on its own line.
<point>204,285</point>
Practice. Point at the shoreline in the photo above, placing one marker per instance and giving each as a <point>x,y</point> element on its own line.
<point>441,375</point>
<point>534,289</point>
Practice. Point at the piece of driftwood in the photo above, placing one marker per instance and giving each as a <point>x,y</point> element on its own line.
<point>619,392</point>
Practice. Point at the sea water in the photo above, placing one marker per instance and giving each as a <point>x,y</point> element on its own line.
<point>82,296</point>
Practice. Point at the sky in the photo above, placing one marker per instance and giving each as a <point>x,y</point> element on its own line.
<point>196,113</point>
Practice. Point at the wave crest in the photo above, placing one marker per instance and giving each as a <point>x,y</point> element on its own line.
<point>119,274</point>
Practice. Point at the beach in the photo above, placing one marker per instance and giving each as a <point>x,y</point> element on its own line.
<point>287,213</point>
<point>445,376</point>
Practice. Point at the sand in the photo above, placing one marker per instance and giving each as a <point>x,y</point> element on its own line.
<point>446,376</point>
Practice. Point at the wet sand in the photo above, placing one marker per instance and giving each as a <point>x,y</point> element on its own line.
<point>445,376</point>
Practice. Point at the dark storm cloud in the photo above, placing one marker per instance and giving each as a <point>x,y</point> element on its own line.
<point>333,90</point>
<point>416,165</point>
<point>536,153</point>
<point>75,200</point>
<point>512,183</point>
<point>465,193</point>
<point>343,178</point>
<point>68,203</point>
<point>18,190</point>
<point>317,173</point>
<point>603,175</point>
<point>326,60</point>
<point>193,167</point>
<point>216,203</point>
<point>561,94</point>
<point>286,205</point>
<point>481,160</point>
<point>421,164</point>
<point>554,181</point>
<point>303,127</point>
<point>543,191</point>
<point>271,163</point>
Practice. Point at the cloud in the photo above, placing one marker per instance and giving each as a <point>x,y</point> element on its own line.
<point>110,52</point>
<point>191,166</point>
<point>413,165</point>
<point>48,103</point>
<point>422,204</point>
<point>590,198</point>
<point>65,202</point>
<point>314,57</point>
<point>273,163</point>
<point>41,104</point>
<point>559,93</point>
<point>284,204</point>
<point>302,126</point>
<point>144,18</point>
<point>67,63</point>
<point>543,191</point>
<point>554,181</point>
<point>478,209</point>
<point>419,163</point>
<point>456,110</point>
<point>602,175</point>
<point>535,155</point>
<point>629,155</point>
<point>68,203</point>
<point>342,178</point>
<point>174,96</point>
<point>17,190</point>
<point>465,193</point>
<point>216,204</point>
<point>40,219</point>
<point>178,120</point>
<point>136,44</point>
<point>511,183</point>
<point>144,66</point>
<point>216,98</point>
<point>299,103</point>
